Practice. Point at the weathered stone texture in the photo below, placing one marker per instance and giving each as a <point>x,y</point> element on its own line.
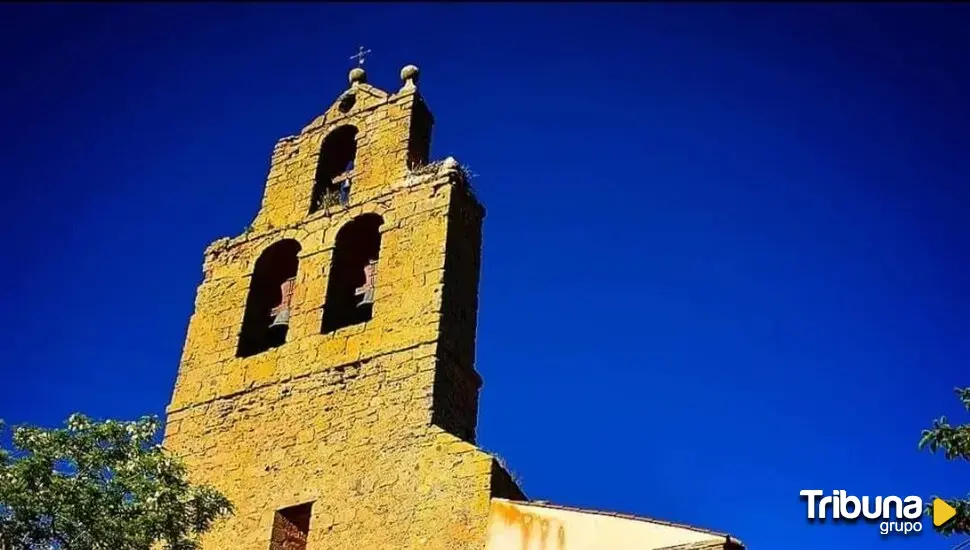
<point>374,423</point>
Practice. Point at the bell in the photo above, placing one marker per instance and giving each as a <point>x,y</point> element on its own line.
<point>281,313</point>
<point>367,289</point>
<point>344,192</point>
<point>368,296</point>
<point>281,317</point>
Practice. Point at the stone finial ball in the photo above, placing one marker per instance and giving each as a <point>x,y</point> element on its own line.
<point>410,72</point>
<point>357,75</point>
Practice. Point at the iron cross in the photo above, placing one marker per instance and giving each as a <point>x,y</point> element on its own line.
<point>361,52</point>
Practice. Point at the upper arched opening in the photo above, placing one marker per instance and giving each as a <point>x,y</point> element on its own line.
<point>338,154</point>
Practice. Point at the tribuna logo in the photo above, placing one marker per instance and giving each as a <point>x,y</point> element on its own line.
<point>894,514</point>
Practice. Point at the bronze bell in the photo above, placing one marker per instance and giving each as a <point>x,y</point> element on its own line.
<point>367,290</point>
<point>281,317</point>
<point>281,313</point>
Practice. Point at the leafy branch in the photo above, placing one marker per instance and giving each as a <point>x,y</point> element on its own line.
<point>100,486</point>
<point>954,443</point>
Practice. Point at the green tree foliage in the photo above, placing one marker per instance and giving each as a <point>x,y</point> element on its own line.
<point>954,443</point>
<point>100,486</point>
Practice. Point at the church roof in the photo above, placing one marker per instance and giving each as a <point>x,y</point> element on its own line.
<point>544,504</point>
<point>581,524</point>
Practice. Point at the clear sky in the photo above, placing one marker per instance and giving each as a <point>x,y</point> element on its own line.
<point>726,248</point>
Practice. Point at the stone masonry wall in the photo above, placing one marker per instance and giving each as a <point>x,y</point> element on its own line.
<point>354,440</point>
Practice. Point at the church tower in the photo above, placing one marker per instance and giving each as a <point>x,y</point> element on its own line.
<point>327,384</point>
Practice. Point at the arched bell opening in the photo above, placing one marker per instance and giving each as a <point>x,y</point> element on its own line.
<point>338,154</point>
<point>353,274</point>
<point>266,320</point>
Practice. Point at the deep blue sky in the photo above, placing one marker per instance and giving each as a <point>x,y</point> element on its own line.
<point>725,252</point>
